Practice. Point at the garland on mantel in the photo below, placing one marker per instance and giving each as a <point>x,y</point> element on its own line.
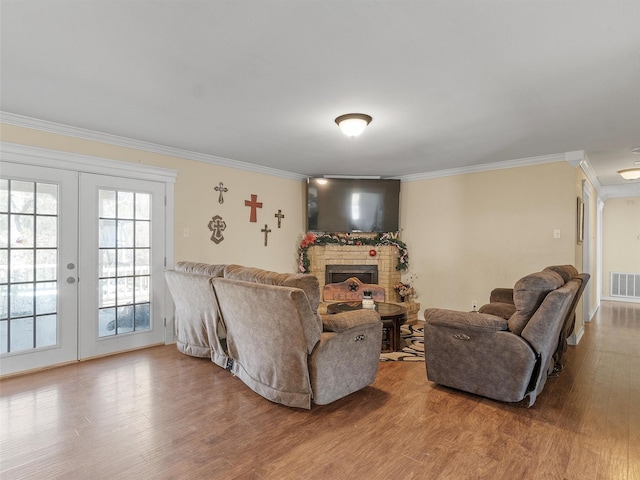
<point>381,240</point>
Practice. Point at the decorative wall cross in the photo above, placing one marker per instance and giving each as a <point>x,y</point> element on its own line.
<point>266,231</point>
<point>217,226</point>
<point>279,216</point>
<point>222,189</point>
<point>253,203</point>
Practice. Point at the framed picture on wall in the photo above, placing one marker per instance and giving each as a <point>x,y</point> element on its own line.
<point>580,220</point>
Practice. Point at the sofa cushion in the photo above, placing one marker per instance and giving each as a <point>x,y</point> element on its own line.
<point>306,282</point>
<point>464,321</point>
<point>528,294</point>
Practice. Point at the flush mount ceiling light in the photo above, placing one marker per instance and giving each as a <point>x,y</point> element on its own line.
<point>630,173</point>
<point>353,124</point>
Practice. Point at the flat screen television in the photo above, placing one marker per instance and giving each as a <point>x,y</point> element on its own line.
<point>352,205</point>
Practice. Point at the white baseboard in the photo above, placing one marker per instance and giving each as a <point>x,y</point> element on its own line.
<point>621,299</point>
<point>576,337</point>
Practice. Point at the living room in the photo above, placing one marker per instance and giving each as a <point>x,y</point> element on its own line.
<point>481,205</point>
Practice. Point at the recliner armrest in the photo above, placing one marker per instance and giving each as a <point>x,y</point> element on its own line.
<point>441,317</point>
<point>499,309</point>
<point>339,322</point>
<point>501,295</point>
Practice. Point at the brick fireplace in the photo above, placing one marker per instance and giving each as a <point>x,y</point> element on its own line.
<point>350,256</point>
<point>386,258</point>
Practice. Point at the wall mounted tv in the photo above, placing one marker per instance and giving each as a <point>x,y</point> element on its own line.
<point>352,205</point>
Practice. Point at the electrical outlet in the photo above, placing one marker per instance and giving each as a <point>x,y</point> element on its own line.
<point>556,233</point>
<point>185,232</point>
<point>474,305</point>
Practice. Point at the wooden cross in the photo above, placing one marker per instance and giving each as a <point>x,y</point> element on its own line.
<point>253,203</point>
<point>279,216</point>
<point>266,231</point>
<point>222,189</point>
<point>217,226</point>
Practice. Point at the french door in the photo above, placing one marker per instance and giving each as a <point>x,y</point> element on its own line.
<point>122,264</point>
<point>81,265</point>
<point>38,267</point>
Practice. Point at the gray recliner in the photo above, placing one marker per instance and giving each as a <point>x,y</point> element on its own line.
<point>501,304</point>
<point>506,359</point>
<point>264,328</point>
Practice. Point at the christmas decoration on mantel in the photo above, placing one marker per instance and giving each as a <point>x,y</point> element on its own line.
<point>217,226</point>
<point>266,230</point>
<point>221,189</point>
<point>381,240</point>
<point>254,204</point>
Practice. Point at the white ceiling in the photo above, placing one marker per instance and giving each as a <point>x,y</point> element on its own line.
<point>450,84</point>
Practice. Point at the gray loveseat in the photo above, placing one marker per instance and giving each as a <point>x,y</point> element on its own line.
<point>264,327</point>
<point>505,351</point>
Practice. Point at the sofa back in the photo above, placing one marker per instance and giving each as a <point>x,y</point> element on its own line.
<point>544,328</point>
<point>271,330</point>
<point>528,294</point>
<point>305,282</point>
<point>200,268</point>
<point>197,325</point>
<point>567,272</point>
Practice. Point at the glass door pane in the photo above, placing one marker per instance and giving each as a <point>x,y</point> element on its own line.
<point>28,252</point>
<point>123,262</point>
<point>37,306</point>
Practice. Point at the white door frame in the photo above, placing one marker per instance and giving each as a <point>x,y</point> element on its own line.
<point>28,155</point>
<point>586,251</point>
<point>90,343</point>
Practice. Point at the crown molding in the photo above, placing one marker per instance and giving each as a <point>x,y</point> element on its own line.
<point>522,162</point>
<point>84,134</point>
<point>589,172</point>
<point>621,191</point>
<point>574,158</point>
<point>44,157</point>
<point>608,191</point>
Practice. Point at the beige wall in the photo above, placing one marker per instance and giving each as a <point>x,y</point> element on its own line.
<point>468,234</point>
<point>196,202</point>
<point>620,238</point>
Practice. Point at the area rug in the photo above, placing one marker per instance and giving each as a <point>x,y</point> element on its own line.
<point>413,350</point>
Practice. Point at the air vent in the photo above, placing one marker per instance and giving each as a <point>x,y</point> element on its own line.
<point>625,285</point>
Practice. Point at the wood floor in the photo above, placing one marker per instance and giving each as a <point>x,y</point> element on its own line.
<point>158,414</point>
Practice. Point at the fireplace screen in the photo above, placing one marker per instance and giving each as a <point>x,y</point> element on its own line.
<point>340,273</point>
